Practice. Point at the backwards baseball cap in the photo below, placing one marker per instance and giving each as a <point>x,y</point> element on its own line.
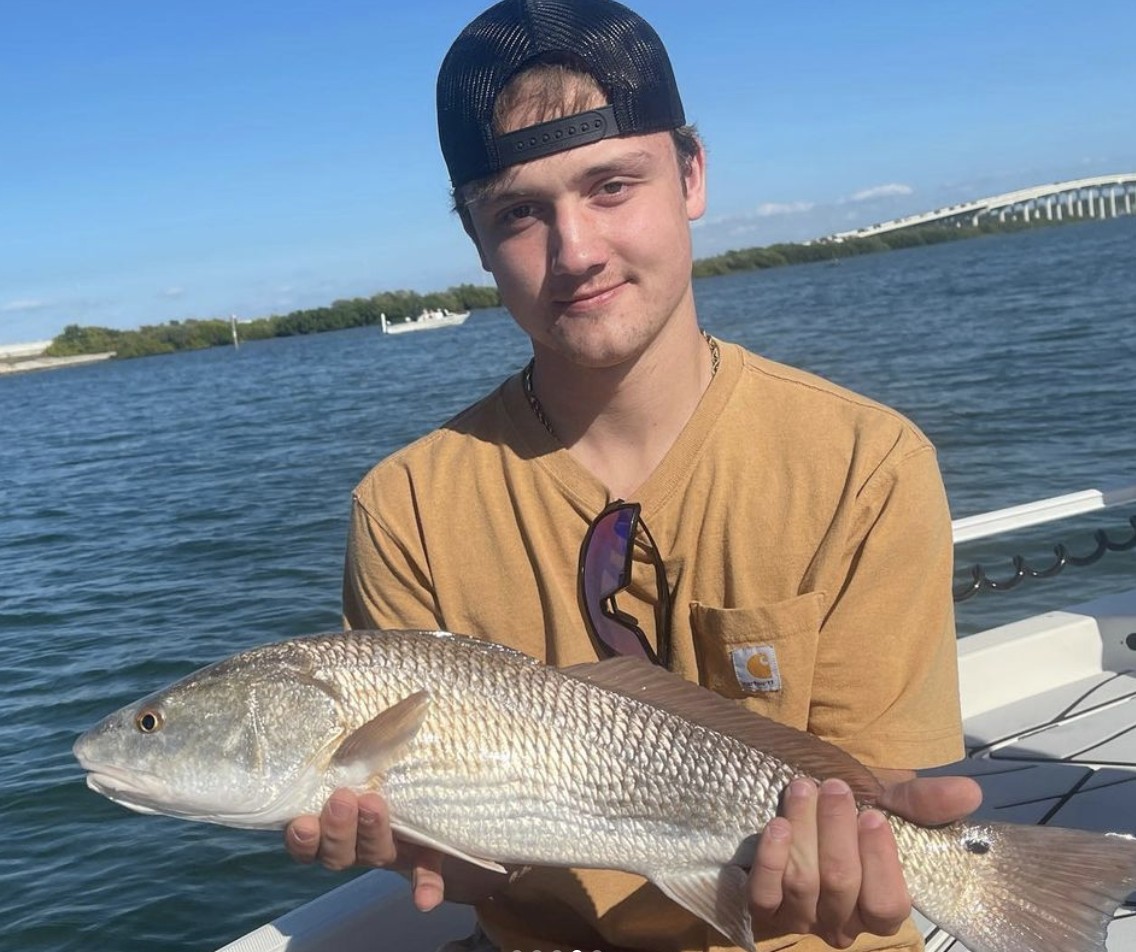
<point>615,45</point>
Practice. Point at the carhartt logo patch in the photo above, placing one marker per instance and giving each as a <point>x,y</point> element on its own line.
<point>756,668</point>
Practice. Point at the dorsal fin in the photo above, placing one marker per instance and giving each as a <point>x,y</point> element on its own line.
<point>642,681</point>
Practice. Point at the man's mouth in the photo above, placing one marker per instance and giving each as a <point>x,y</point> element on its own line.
<point>584,300</point>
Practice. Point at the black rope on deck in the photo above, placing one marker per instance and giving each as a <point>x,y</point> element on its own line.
<point>979,580</point>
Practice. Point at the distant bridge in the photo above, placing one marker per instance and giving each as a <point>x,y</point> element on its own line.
<point>1103,196</point>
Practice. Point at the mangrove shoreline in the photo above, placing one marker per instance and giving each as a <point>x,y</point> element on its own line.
<point>195,334</point>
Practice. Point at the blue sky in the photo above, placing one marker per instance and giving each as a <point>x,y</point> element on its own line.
<point>195,159</point>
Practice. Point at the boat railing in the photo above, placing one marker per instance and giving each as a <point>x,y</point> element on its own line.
<point>1000,521</point>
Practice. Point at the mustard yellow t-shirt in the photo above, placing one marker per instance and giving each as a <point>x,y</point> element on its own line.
<point>798,522</point>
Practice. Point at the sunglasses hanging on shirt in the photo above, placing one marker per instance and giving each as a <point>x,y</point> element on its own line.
<point>605,571</point>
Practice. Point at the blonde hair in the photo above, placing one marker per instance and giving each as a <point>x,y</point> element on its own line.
<point>544,92</point>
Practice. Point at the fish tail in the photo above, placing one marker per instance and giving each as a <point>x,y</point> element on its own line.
<point>1003,887</point>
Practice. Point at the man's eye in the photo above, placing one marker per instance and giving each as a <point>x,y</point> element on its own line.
<point>613,188</point>
<point>517,213</point>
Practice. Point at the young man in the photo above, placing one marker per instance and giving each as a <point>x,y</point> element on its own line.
<point>794,550</point>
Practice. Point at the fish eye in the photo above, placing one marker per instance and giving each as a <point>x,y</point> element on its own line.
<point>149,721</point>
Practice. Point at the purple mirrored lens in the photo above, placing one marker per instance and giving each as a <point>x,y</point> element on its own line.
<point>606,570</point>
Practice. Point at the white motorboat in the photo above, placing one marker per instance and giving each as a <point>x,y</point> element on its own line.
<point>428,319</point>
<point>1049,707</point>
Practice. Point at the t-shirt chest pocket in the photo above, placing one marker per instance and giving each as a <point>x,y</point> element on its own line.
<point>765,655</point>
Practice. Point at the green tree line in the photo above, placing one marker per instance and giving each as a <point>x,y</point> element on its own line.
<point>213,332</point>
<point>773,256</point>
<point>403,305</point>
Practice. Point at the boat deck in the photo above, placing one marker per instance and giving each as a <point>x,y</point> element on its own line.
<point>1062,750</point>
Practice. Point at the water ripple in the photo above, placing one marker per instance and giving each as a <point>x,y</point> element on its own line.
<point>161,513</point>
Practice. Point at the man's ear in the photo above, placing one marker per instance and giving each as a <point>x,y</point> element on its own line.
<point>694,184</point>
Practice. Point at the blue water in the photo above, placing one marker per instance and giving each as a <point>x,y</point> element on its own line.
<point>158,514</point>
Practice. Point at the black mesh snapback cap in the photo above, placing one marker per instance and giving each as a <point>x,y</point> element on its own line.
<point>617,46</point>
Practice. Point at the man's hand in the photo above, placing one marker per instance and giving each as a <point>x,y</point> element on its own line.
<point>823,867</point>
<point>356,831</point>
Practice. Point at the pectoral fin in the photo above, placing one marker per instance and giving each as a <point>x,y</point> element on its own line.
<point>367,751</point>
<point>716,894</point>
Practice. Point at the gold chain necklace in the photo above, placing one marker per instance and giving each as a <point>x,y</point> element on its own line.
<point>538,410</point>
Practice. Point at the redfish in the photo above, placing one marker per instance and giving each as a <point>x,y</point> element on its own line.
<point>495,758</point>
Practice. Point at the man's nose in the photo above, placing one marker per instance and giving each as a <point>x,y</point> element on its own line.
<point>577,242</point>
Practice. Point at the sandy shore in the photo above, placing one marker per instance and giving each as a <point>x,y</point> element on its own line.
<point>16,365</point>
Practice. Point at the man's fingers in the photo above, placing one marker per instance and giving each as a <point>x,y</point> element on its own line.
<point>931,801</point>
<point>801,882</point>
<point>339,826</point>
<point>838,862</point>
<point>769,864</point>
<point>374,845</point>
<point>884,901</point>
<point>426,880</point>
<point>350,830</point>
<point>301,838</point>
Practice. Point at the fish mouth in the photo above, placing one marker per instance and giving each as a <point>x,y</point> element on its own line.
<point>105,778</point>
<point>147,793</point>
<point>126,788</point>
<point>144,791</point>
<point>132,788</point>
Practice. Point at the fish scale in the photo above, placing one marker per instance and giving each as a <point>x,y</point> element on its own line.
<point>637,775</point>
<point>495,758</point>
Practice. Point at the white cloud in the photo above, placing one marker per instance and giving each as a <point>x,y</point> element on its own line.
<point>881,191</point>
<point>22,305</point>
<point>173,292</point>
<point>768,209</point>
